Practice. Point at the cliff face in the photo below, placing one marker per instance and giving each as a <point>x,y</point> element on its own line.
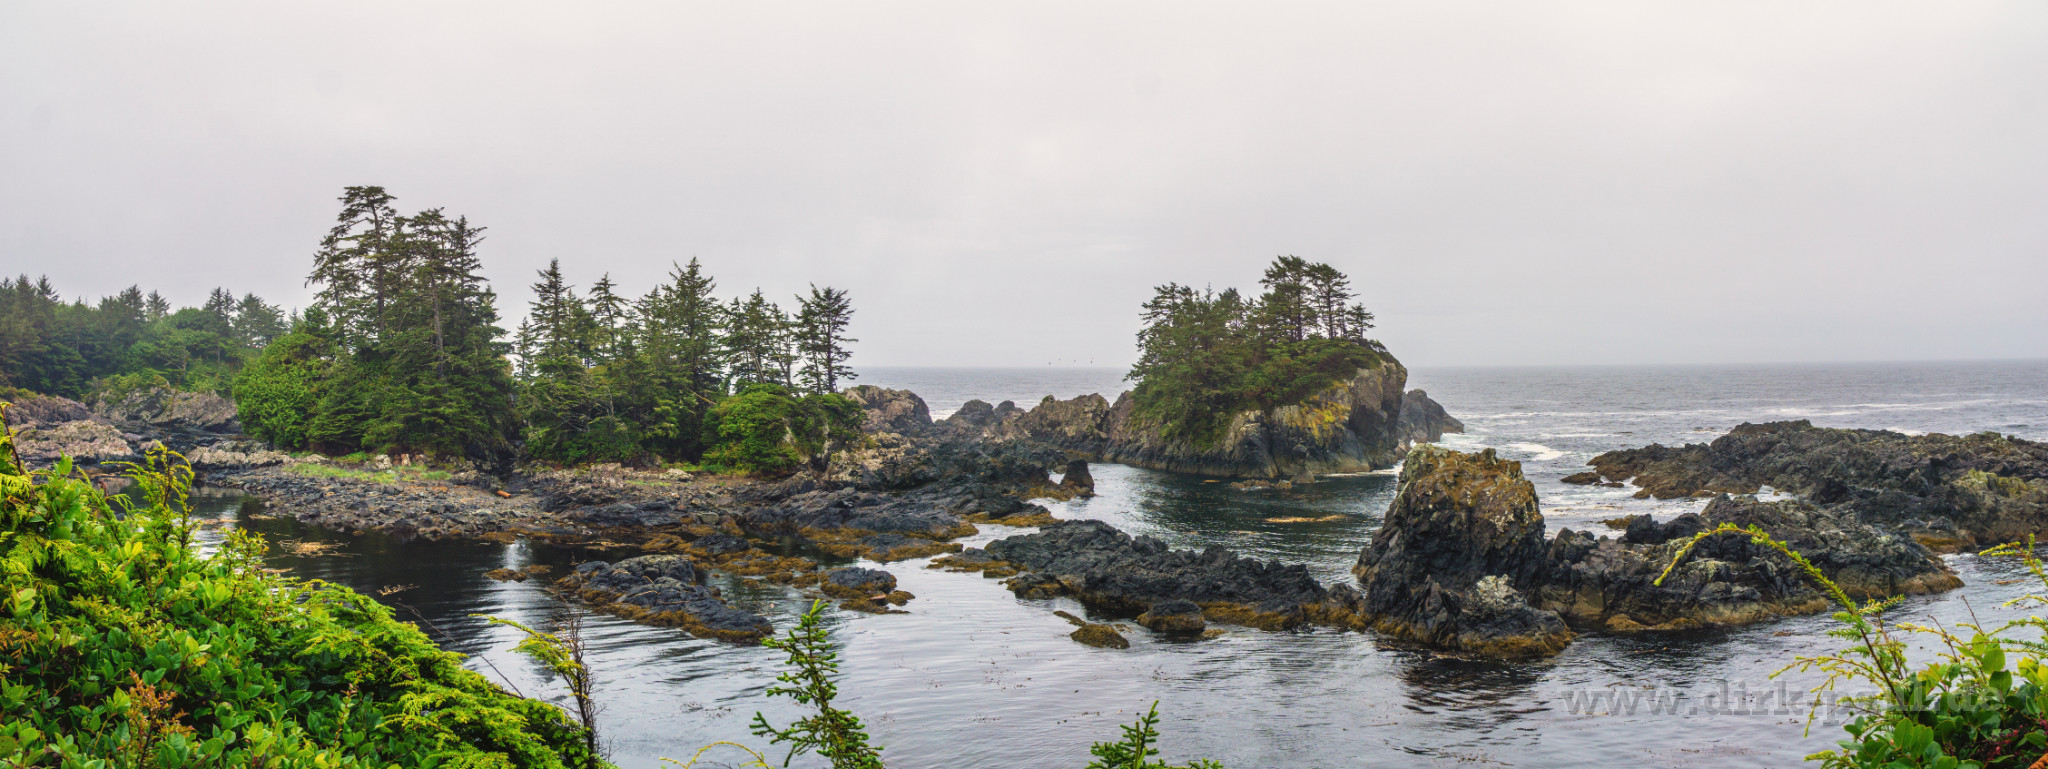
<point>1347,428</point>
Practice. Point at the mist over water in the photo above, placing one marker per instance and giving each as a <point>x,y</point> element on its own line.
<point>976,677</point>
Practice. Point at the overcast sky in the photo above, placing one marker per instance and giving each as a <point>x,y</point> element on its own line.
<point>1003,184</point>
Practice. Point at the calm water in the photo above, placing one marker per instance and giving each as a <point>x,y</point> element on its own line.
<point>976,677</point>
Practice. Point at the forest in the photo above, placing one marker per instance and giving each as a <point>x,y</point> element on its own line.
<point>403,351</point>
<point>1206,355</point>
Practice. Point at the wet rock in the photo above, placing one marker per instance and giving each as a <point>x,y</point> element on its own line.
<point>1077,482</point>
<point>1954,492</point>
<point>856,582</point>
<point>1183,617</point>
<point>1729,580</point>
<point>665,590</point>
<point>1115,572</point>
<point>1587,478</point>
<point>849,509</point>
<point>1094,634</point>
<point>1423,420</point>
<point>891,411</point>
<point>1461,541</point>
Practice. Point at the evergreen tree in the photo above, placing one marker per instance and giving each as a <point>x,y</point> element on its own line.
<point>756,341</point>
<point>358,266</point>
<point>257,323</point>
<point>1206,356</point>
<point>157,308</point>
<point>821,337</point>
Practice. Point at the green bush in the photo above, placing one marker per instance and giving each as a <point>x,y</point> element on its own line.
<point>765,430</point>
<point>122,646</point>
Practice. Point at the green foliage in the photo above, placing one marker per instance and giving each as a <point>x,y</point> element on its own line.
<point>562,654</point>
<point>1982,704</point>
<point>277,394</point>
<point>1139,745</point>
<point>402,353</point>
<point>766,430</point>
<point>836,734</point>
<point>125,647</point>
<point>51,346</point>
<point>1206,356</point>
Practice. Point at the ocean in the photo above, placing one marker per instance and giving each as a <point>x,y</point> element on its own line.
<point>974,676</point>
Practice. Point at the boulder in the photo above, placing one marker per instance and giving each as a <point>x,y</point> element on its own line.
<point>1175,617</point>
<point>1461,542</point>
<point>1077,482</point>
<point>891,411</point>
<point>973,415</point>
<point>857,583</point>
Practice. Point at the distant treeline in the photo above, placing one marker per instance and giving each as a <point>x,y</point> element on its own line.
<point>52,346</point>
<point>402,351</point>
<point>1205,355</point>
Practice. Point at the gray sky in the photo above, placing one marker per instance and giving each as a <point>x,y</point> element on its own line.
<point>1003,183</point>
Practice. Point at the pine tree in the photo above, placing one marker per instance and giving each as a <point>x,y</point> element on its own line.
<point>157,308</point>
<point>755,341</point>
<point>358,266</point>
<point>821,324</point>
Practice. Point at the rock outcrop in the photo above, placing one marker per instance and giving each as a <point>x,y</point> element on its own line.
<point>162,408</point>
<point>1462,563</point>
<point>1951,492</point>
<point>1363,423</point>
<point>1728,580</point>
<point>1347,428</point>
<point>1423,420</point>
<point>665,590</point>
<point>1113,572</point>
<point>891,411</point>
<point>84,440</point>
<point>1460,545</point>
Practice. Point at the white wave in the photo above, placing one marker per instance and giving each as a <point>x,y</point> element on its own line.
<point>1538,451</point>
<point>1574,435</point>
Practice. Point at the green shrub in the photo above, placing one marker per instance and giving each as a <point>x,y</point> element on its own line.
<point>765,430</point>
<point>121,646</point>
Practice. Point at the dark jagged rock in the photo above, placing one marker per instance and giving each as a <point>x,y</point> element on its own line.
<point>1423,420</point>
<point>1111,571</point>
<point>1952,492</point>
<point>1729,580</point>
<point>1461,563</point>
<point>665,590</point>
<point>856,582</point>
<point>973,415</point>
<point>1078,424</point>
<point>850,510</point>
<point>1077,482</point>
<point>1461,542</point>
<point>891,411</point>
<point>1182,617</point>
